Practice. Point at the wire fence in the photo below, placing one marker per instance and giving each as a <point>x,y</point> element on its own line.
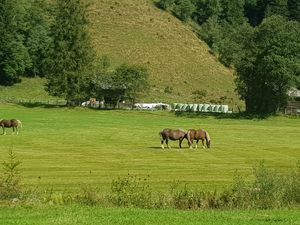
<point>50,102</point>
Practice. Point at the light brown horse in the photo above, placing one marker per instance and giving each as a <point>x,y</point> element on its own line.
<point>14,123</point>
<point>197,135</point>
<point>173,135</point>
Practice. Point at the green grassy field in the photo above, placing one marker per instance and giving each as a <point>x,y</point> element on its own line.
<point>73,215</point>
<point>65,149</point>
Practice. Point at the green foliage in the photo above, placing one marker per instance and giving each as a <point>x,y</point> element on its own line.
<point>14,58</point>
<point>269,189</point>
<point>212,33</point>
<point>270,65</point>
<point>232,12</point>
<point>294,10</point>
<point>206,9</point>
<point>71,52</point>
<point>10,186</point>
<point>230,46</point>
<point>277,7</point>
<point>131,191</point>
<point>126,82</point>
<point>134,80</point>
<point>89,196</point>
<point>37,37</point>
<point>165,4</point>
<point>184,9</point>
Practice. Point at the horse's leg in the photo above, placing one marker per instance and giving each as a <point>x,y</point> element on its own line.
<point>203,146</point>
<point>167,142</point>
<point>191,143</point>
<point>197,143</point>
<point>180,141</point>
<point>162,144</point>
<point>3,130</point>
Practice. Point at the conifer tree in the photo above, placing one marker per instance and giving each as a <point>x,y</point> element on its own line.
<point>71,52</point>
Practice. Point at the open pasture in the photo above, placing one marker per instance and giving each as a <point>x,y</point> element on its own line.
<point>64,149</point>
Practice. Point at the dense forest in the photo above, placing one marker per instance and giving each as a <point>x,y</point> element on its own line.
<point>259,39</point>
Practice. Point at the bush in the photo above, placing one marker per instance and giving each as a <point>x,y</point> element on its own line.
<point>268,190</point>
<point>88,196</point>
<point>199,94</point>
<point>131,191</point>
<point>10,186</point>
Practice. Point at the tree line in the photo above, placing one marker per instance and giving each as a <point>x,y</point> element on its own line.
<point>51,40</point>
<point>260,39</point>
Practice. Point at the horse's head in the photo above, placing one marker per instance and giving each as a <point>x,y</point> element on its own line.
<point>208,140</point>
<point>208,143</point>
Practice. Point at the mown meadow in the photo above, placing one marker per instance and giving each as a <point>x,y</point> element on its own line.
<point>66,150</point>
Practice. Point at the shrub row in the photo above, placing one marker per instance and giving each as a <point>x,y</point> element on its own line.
<point>269,189</point>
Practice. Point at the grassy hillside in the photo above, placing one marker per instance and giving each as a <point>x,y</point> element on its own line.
<point>138,32</point>
<point>29,89</point>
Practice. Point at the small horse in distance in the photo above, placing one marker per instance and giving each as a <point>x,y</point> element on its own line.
<point>14,123</point>
<point>173,135</point>
<point>197,135</point>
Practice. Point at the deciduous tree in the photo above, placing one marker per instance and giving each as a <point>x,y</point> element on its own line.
<point>270,65</point>
<point>14,57</point>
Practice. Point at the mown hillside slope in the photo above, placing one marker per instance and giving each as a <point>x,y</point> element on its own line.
<point>180,63</point>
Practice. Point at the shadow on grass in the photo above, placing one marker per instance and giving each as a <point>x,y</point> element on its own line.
<point>168,149</point>
<point>49,105</point>
<point>41,105</point>
<point>239,116</point>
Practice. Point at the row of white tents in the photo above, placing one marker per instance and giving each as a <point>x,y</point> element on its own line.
<point>173,107</point>
<point>184,107</point>
<point>200,108</point>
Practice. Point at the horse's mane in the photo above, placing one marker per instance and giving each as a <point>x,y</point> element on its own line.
<point>180,129</point>
<point>207,135</point>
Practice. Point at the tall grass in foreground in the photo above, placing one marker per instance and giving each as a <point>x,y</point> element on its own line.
<point>268,190</point>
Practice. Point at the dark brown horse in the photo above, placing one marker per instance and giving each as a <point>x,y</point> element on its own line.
<point>197,135</point>
<point>173,135</point>
<point>14,123</point>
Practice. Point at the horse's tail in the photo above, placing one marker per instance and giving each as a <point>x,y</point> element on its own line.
<point>188,137</point>
<point>207,138</point>
<point>19,123</point>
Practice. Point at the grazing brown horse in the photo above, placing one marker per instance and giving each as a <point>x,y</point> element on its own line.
<point>173,135</point>
<point>14,123</point>
<point>200,134</point>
